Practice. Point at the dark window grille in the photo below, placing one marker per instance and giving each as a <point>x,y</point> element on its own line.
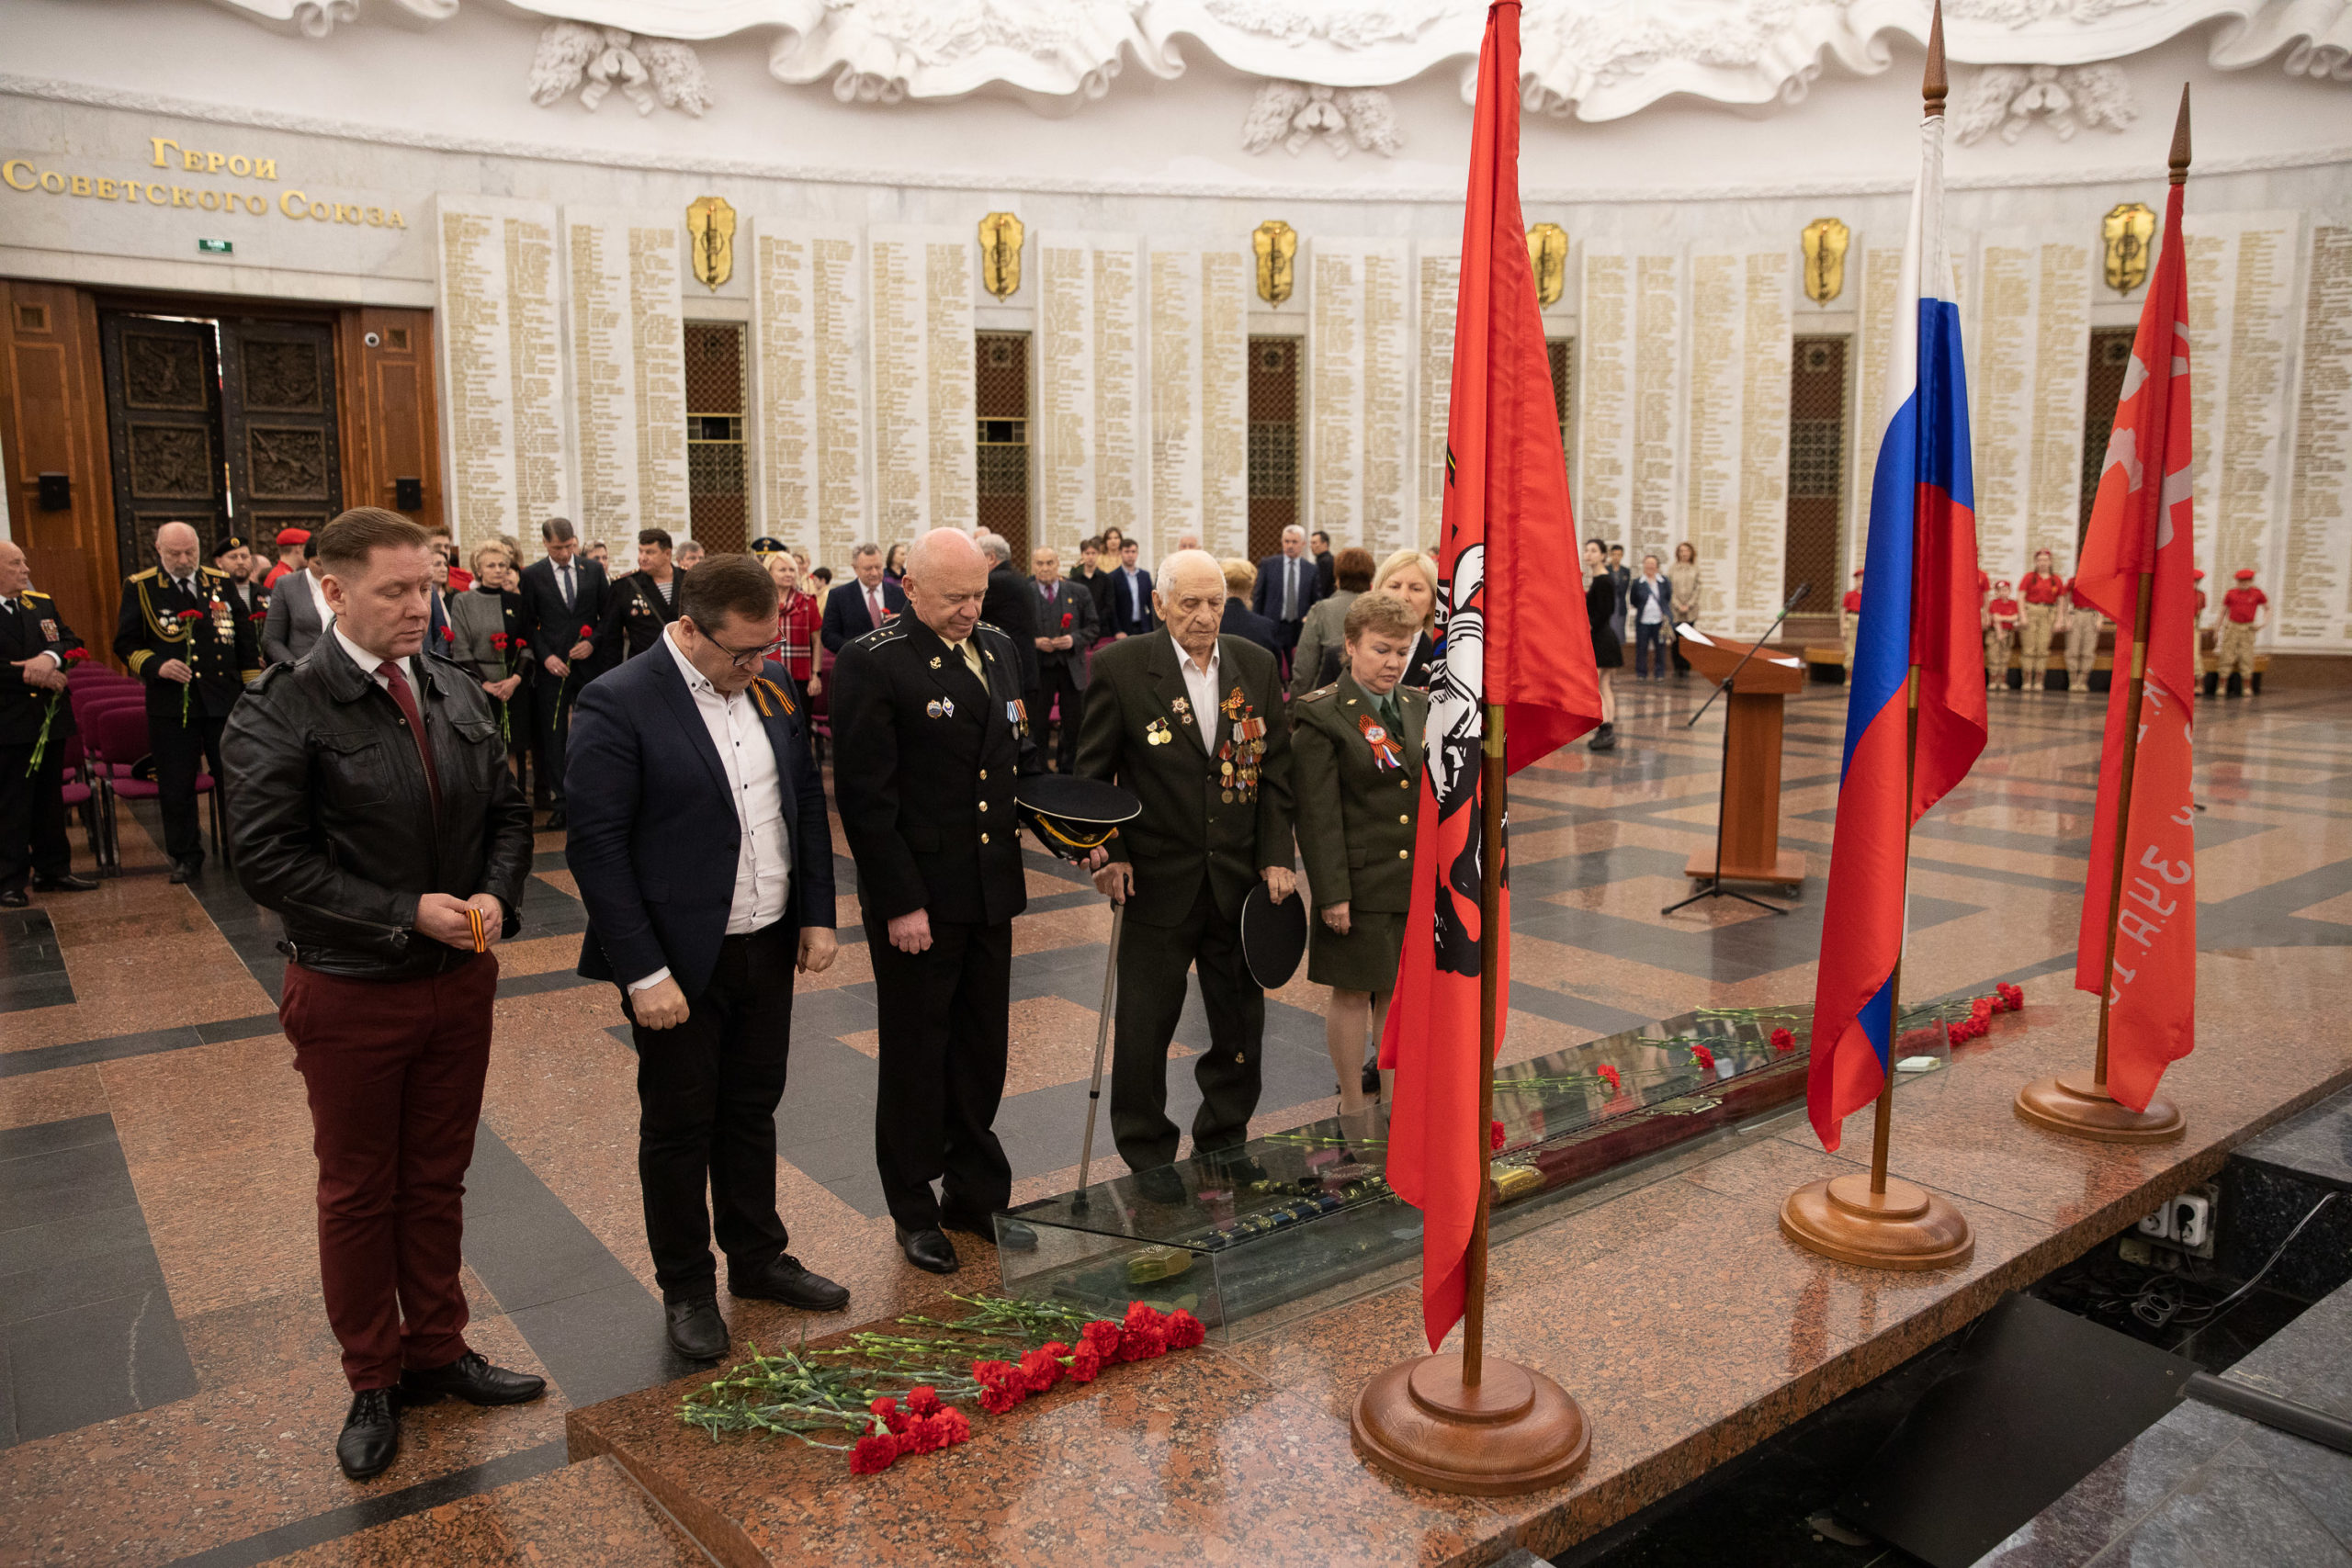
<point>1002,401</point>
<point>1562,353</point>
<point>718,489</point>
<point>1274,441</point>
<point>1817,420</point>
<point>2102,390</point>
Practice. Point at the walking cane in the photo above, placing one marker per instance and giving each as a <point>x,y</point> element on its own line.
<point>1101,1040</point>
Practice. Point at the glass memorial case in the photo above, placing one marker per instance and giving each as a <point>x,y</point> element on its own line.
<point>1297,1222</point>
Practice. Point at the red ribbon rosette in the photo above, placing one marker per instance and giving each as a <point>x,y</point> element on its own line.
<point>1384,751</point>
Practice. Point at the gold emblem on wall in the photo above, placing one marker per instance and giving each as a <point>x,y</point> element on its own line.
<point>1825,240</point>
<point>1001,234</point>
<point>1276,243</point>
<point>1547,253</point>
<point>2127,229</point>
<point>710,225</point>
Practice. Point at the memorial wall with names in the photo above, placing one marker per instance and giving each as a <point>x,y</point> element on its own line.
<point>2242,269</point>
<point>922,370</point>
<point>1736,465</point>
<point>1362,444</point>
<point>2311,574</point>
<point>500,299</point>
<point>1089,427</point>
<point>808,321</point>
<point>1197,376</point>
<point>2028,374</point>
<point>1438,273</point>
<point>627,369</point>
<point>1630,384</point>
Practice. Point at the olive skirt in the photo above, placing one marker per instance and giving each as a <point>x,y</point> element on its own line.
<point>1364,959</point>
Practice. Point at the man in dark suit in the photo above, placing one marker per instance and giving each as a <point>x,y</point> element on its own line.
<point>644,602</point>
<point>563,602</point>
<point>700,844</point>
<point>1326,569</point>
<point>1286,587</point>
<point>1065,631</point>
<point>1010,607</point>
<point>178,635</point>
<point>862,604</point>
<point>1127,596</point>
<point>1192,723</point>
<point>929,736</point>
<point>1239,619</point>
<point>35,714</point>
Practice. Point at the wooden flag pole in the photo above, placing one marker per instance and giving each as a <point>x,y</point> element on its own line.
<point>1878,1220</point>
<point>2070,1104</point>
<point>1470,1422</point>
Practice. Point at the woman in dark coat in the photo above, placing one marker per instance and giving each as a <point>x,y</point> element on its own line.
<point>1356,771</point>
<point>1608,653</point>
<point>486,637</point>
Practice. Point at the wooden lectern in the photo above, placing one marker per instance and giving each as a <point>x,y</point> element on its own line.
<point>1752,793</point>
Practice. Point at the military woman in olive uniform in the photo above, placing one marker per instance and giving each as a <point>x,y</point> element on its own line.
<point>196,653</point>
<point>1358,748</point>
<point>1191,723</point>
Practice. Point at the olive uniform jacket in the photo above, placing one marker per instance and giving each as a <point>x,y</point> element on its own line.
<point>1361,854</point>
<point>924,762</point>
<point>1192,824</point>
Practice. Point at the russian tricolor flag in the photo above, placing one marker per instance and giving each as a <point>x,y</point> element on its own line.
<point>1918,619</point>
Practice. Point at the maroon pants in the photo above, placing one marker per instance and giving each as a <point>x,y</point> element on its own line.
<point>395,1070</point>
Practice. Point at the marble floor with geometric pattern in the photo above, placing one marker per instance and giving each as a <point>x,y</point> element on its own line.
<point>169,1391</point>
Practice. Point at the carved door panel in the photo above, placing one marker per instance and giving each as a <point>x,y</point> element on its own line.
<point>163,379</point>
<point>277,406</point>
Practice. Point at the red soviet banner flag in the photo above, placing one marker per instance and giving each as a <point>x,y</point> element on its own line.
<point>1516,635</point>
<point>2141,523</point>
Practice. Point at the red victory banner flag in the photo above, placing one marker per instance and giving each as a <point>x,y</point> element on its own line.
<point>2137,948</point>
<point>1514,665</point>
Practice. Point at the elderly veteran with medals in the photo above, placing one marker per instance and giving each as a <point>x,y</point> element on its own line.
<point>1357,743</point>
<point>1191,723</point>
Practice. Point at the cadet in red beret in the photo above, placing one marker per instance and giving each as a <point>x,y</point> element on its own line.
<point>2000,634</point>
<point>2244,610</point>
<point>293,549</point>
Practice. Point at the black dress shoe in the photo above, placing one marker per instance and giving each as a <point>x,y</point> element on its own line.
<point>186,870</point>
<point>786,1280</point>
<point>1013,1235</point>
<point>929,1249</point>
<point>696,1329</point>
<point>13,899</point>
<point>69,882</point>
<point>473,1380</point>
<point>1160,1184</point>
<point>371,1434</point>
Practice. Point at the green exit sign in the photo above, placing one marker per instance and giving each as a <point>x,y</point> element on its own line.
<point>216,247</point>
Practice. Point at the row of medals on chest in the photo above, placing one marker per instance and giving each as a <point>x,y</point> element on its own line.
<point>1238,758</point>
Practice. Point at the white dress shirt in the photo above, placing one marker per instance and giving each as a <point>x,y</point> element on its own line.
<point>368,662</point>
<point>563,581</point>
<point>1655,611</point>
<point>317,596</point>
<point>1200,683</point>
<point>763,852</point>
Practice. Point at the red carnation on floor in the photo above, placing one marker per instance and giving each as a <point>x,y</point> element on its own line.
<point>949,1427</point>
<point>1784,1039</point>
<point>1085,1364</point>
<point>888,1411</point>
<point>1002,1385</point>
<point>1184,1330</point>
<point>874,1454</point>
<point>1042,1368</point>
<point>1144,1336</point>
<point>924,1400</point>
<point>1609,1076</point>
<point>1103,1336</point>
<point>1494,1135</point>
<point>1703,1057</point>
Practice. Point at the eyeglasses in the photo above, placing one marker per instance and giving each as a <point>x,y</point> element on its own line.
<point>741,659</point>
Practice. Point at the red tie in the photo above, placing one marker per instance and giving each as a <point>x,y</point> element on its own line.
<point>874,604</point>
<point>391,671</point>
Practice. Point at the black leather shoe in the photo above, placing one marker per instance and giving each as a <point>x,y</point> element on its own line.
<point>371,1434</point>
<point>186,870</point>
<point>1603,738</point>
<point>696,1329</point>
<point>473,1380</point>
<point>929,1249</point>
<point>13,898</point>
<point>69,882</point>
<point>1160,1184</point>
<point>786,1280</point>
<point>1013,1235</point>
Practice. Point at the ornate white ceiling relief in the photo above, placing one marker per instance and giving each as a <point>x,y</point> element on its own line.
<point>1293,114</point>
<point>2012,98</point>
<point>1595,59</point>
<point>595,60</point>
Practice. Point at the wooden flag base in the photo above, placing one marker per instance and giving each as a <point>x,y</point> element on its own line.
<point>1906,1226</point>
<point>1517,1431</point>
<point>2079,1106</point>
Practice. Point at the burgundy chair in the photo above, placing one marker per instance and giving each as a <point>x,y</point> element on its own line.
<point>80,797</point>
<point>116,738</point>
<point>97,699</point>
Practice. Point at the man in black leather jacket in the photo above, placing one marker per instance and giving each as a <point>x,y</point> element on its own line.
<point>376,815</point>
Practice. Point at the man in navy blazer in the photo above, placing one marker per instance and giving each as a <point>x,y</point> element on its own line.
<point>700,844</point>
<point>1127,602</point>
<point>849,608</point>
<point>1288,584</point>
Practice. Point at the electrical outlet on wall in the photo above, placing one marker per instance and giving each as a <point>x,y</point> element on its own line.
<point>2156,1225</point>
<point>2192,1218</point>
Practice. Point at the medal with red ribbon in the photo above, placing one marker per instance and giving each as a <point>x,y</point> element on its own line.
<point>1384,751</point>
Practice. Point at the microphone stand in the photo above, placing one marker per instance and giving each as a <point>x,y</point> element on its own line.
<point>1715,888</point>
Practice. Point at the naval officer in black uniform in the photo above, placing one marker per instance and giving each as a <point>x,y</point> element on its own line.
<point>929,736</point>
<point>1192,723</point>
<point>36,725</point>
<point>180,634</point>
